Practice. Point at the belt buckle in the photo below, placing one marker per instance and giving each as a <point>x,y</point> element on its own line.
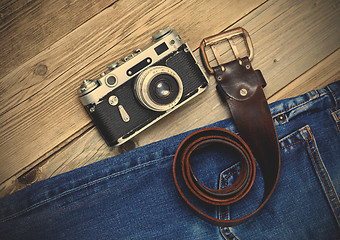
<point>225,36</point>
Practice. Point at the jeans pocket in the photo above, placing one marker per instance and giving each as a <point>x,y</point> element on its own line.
<point>321,172</point>
<point>304,205</point>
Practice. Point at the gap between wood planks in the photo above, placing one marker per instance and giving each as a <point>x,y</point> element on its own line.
<point>36,121</point>
<point>89,126</point>
<point>62,148</point>
<point>43,22</point>
<point>301,82</point>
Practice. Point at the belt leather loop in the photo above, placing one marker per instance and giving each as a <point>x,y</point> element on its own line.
<point>242,88</point>
<point>251,115</point>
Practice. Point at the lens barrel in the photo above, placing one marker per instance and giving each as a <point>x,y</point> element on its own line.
<point>159,88</point>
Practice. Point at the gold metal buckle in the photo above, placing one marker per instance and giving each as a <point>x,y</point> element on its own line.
<point>228,35</point>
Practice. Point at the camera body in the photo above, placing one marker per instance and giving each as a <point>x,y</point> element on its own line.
<point>143,88</point>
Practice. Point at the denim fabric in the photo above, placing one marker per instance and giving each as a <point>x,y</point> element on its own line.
<point>133,196</point>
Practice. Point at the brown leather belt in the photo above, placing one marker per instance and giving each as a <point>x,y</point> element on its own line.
<point>242,88</point>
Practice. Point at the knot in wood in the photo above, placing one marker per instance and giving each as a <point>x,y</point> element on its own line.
<point>41,69</point>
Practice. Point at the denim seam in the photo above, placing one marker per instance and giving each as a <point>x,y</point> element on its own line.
<point>80,187</point>
<point>229,232</point>
<point>309,133</point>
<point>289,136</point>
<point>336,118</point>
<point>298,105</point>
<point>337,125</point>
<point>227,208</point>
<point>334,97</point>
<point>293,134</point>
<point>292,144</point>
<point>229,175</point>
<point>334,206</point>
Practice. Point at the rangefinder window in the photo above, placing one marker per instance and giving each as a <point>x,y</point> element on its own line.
<point>161,48</point>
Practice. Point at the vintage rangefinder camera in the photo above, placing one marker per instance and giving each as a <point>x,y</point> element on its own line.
<point>143,88</point>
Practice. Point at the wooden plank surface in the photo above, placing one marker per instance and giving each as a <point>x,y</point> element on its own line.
<point>44,131</point>
<point>27,27</point>
<point>82,54</point>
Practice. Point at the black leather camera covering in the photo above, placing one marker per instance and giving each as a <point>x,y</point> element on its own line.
<point>107,118</point>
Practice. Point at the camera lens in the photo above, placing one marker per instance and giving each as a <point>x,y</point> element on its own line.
<point>159,88</point>
<point>162,89</point>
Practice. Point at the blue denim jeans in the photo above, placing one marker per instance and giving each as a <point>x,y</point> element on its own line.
<point>133,196</point>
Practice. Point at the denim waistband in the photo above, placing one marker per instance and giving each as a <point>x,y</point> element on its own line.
<point>286,109</point>
<point>98,175</point>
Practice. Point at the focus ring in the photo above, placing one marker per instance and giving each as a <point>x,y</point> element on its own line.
<point>142,88</point>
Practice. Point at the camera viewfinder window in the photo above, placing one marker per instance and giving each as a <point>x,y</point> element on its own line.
<point>161,48</point>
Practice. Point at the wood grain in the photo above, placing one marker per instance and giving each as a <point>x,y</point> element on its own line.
<point>282,51</point>
<point>324,73</point>
<point>295,43</point>
<point>42,110</point>
<point>28,27</point>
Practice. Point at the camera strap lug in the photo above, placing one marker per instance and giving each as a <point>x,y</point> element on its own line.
<point>242,88</point>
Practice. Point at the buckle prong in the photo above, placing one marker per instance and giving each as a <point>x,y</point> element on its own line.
<point>217,55</point>
<point>225,36</point>
<point>234,48</point>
